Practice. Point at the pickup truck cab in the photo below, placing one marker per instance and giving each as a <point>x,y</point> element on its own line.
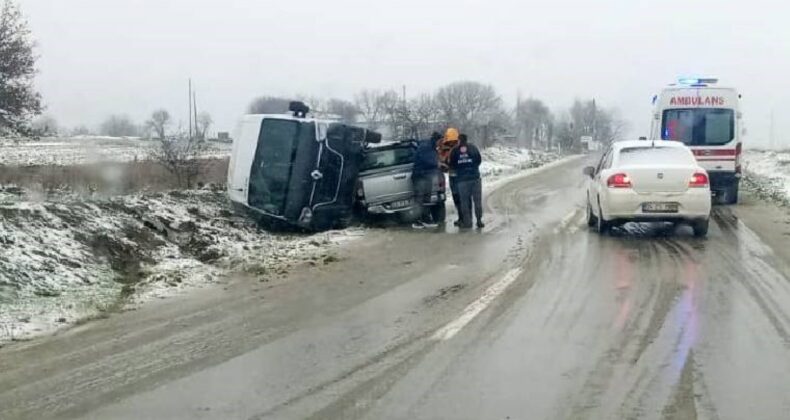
<point>384,185</point>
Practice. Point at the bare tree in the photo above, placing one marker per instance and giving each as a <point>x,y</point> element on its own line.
<point>269,105</point>
<point>533,121</point>
<point>372,107</point>
<point>204,122</point>
<point>159,122</point>
<point>474,108</point>
<point>119,126</point>
<point>418,116</point>
<point>45,125</point>
<point>182,156</point>
<point>19,102</point>
<point>345,110</point>
<point>80,130</point>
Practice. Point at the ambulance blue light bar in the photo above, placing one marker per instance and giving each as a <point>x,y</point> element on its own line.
<point>697,81</point>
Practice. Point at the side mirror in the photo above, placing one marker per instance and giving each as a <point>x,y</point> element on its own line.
<point>589,171</point>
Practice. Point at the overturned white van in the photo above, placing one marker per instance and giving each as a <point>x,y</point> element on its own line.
<point>296,170</point>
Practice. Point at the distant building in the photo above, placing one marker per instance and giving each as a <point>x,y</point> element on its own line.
<point>224,136</point>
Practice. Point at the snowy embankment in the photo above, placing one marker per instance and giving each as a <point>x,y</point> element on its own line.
<point>67,260</point>
<point>501,161</point>
<point>768,173</point>
<point>71,257</point>
<point>66,151</point>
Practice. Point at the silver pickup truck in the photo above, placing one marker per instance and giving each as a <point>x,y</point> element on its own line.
<point>384,185</point>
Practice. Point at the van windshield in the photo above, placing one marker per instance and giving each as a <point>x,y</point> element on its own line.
<point>699,126</point>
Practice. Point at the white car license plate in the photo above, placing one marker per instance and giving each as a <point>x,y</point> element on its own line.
<point>400,204</point>
<point>660,207</point>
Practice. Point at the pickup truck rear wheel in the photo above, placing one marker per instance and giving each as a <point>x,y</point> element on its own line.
<point>439,213</point>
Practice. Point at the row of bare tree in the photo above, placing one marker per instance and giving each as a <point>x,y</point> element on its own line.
<point>159,125</point>
<point>474,108</point>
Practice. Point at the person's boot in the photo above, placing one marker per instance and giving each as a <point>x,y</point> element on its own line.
<point>480,224</point>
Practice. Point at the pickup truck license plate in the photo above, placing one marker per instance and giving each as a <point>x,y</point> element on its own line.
<point>660,207</point>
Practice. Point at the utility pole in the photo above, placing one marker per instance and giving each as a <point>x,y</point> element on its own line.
<point>519,123</point>
<point>190,108</point>
<point>771,134</point>
<point>194,109</point>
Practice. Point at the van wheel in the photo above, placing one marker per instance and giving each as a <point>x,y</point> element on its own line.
<point>439,213</point>
<point>700,228</point>
<point>730,195</point>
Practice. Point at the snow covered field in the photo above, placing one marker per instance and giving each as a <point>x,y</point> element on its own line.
<point>85,149</point>
<point>69,258</point>
<point>769,171</point>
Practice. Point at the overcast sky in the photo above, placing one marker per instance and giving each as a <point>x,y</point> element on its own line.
<point>100,57</point>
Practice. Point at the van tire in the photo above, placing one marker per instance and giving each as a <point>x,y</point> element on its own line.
<point>439,213</point>
<point>730,195</point>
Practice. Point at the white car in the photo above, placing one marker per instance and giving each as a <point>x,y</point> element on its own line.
<point>648,181</point>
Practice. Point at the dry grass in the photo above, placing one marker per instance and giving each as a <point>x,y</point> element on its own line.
<point>107,178</point>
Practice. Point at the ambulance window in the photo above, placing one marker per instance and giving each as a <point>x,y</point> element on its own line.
<point>699,126</point>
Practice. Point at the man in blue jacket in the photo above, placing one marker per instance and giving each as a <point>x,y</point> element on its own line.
<point>465,161</point>
<point>426,169</point>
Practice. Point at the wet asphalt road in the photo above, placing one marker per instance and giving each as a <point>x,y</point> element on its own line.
<point>533,318</point>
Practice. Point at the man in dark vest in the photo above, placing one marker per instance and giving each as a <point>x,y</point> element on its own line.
<point>465,161</point>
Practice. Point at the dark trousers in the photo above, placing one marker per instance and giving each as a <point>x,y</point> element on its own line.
<point>470,192</point>
<point>454,193</point>
<point>423,187</point>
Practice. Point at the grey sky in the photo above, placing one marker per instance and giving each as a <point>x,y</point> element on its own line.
<point>123,56</point>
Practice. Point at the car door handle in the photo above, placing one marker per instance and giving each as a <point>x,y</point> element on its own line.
<point>399,176</point>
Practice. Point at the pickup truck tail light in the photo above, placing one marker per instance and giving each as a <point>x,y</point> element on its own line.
<point>619,181</point>
<point>699,180</point>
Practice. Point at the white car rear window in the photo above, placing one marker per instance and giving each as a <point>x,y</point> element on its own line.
<point>655,155</point>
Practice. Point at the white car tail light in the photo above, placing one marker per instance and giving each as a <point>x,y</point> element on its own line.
<point>619,181</point>
<point>699,180</point>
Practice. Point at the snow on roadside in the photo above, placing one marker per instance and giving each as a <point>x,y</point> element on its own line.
<point>501,161</point>
<point>69,258</point>
<point>65,261</point>
<point>768,172</point>
<point>63,151</point>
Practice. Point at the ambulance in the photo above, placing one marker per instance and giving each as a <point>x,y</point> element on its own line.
<point>707,118</point>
